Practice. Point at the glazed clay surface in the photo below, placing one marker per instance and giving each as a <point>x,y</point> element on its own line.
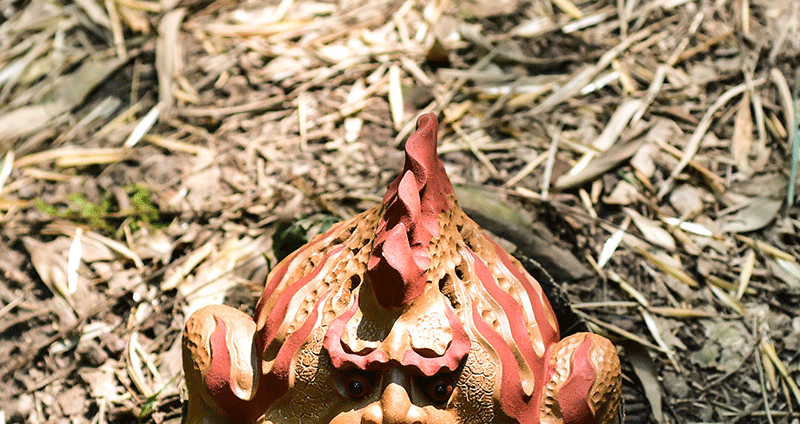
<point>405,313</point>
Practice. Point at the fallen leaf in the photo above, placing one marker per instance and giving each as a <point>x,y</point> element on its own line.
<point>707,356</point>
<point>742,133</point>
<point>755,215</point>
<point>486,8</point>
<point>687,200</point>
<point>496,215</point>
<point>676,384</point>
<point>72,400</point>
<point>396,97</point>
<point>69,92</point>
<point>605,161</point>
<point>651,230</point>
<point>643,161</point>
<point>676,271</point>
<point>771,184</point>
<point>51,265</point>
<point>786,271</point>
<point>624,193</point>
<point>286,66</point>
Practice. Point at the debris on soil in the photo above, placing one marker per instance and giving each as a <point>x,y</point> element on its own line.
<point>151,151</point>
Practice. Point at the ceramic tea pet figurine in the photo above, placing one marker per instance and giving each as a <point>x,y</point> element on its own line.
<point>405,313</point>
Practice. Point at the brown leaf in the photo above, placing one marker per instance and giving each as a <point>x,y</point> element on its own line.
<point>651,230</point>
<point>612,157</point>
<point>50,263</point>
<point>70,92</point>
<point>71,400</point>
<point>647,372</point>
<point>742,133</point>
<point>758,212</point>
<point>102,382</point>
<point>486,8</point>
<point>624,193</point>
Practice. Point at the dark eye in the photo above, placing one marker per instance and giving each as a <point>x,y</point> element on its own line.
<point>357,385</point>
<point>438,388</point>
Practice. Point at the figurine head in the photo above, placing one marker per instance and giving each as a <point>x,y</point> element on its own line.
<point>407,312</point>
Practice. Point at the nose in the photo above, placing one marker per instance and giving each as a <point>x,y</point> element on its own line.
<point>394,407</point>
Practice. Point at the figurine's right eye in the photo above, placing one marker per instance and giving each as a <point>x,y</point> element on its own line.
<point>357,384</point>
<point>438,388</point>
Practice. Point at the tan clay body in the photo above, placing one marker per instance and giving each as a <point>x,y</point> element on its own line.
<point>405,313</point>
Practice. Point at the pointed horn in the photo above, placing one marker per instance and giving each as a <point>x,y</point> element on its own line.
<point>398,263</point>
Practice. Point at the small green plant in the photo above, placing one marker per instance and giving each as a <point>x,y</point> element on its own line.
<point>143,208</point>
<point>100,215</point>
<point>291,236</point>
<point>150,404</point>
<point>88,211</point>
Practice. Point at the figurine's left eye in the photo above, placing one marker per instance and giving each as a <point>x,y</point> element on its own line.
<point>438,388</point>
<point>357,384</point>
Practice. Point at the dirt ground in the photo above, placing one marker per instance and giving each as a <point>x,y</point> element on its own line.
<point>152,155</point>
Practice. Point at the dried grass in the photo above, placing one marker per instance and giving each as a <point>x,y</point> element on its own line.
<point>150,150</point>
